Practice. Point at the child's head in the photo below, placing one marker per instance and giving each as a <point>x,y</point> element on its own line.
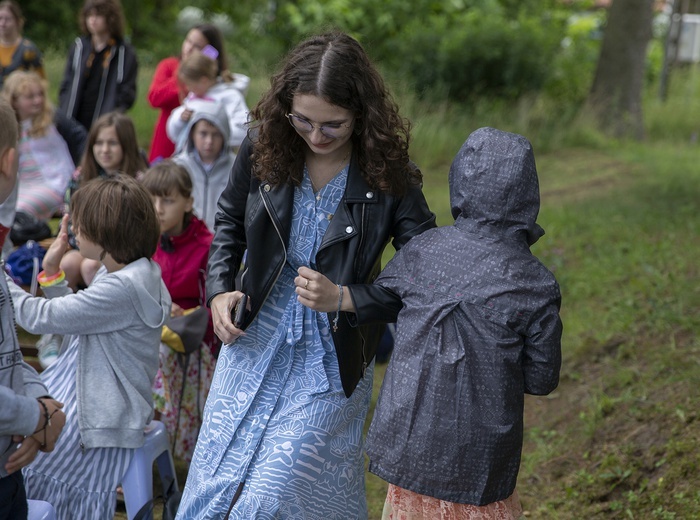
<point>26,92</point>
<point>207,139</point>
<point>112,146</point>
<point>103,17</point>
<point>198,73</point>
<point>171,188</point>
<point>202,35</point>
<point>11,19</point>
<point>9,133</point>
<point>116,214</point>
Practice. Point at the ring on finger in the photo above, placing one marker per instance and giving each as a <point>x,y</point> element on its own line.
<point>306,285</point>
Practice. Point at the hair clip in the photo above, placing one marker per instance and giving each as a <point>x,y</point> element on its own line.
<point>210,52</point>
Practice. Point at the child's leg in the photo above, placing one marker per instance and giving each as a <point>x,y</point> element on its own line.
<point>13,499</point>
<point>70,263</point>
<point>88,270</point>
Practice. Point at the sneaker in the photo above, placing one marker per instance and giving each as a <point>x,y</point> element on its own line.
<point>48,347</point>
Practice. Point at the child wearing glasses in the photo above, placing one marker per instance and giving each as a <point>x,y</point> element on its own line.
<point>207,156</point>
<point>199,73</point>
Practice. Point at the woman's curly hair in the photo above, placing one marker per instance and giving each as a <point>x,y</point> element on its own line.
<point>334,67</point>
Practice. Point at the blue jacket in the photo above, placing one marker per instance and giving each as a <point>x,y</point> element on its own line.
<point>479,328</point>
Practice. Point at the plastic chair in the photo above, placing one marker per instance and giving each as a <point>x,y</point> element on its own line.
<point>40,510</point>
<point>137,482</point>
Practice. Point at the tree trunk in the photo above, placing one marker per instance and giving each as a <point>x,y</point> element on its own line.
<point>616,94</point>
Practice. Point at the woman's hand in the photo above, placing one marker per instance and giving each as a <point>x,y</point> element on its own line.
<point>52,259</point>
<point>317,292</point>
<point>221,307</point>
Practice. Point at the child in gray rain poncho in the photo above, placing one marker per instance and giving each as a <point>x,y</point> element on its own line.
<point>479,328</point>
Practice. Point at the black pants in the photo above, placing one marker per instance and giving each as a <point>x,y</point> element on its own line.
<point>13,499</point>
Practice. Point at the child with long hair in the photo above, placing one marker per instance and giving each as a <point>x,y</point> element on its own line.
<point>199,73</point>
<point>109,357</point>
<point>45,164</point>
<point>101,68</point>
<point>183,380</point>
<point>112,148</point>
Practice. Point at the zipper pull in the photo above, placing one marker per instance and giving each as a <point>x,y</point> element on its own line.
<point>364,368</point>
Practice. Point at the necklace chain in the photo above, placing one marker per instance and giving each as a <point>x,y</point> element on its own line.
<point>340,167</point>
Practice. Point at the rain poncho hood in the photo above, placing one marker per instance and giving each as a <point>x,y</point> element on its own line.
<point>493,182</point>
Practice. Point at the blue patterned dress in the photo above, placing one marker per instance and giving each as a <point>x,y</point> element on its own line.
<point>277,418</point>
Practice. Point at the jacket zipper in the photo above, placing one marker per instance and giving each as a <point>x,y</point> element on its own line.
<point>362,235</point>
<point>284,246</point>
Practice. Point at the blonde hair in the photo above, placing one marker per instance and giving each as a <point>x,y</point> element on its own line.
<point>197,66</point>
<point>18,83</point>
<point>9,129</point>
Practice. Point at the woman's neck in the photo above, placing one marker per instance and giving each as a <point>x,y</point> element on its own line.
<point>99,41</point>
<point>10,39</point>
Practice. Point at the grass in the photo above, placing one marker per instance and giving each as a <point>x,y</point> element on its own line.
<point>620,438</point>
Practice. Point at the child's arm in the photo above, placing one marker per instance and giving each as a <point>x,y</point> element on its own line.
<point>176,125</point>
<point>237,112</point>
<point>90,311</point>
<point>126,90</point>
<point>102,307</point>
<point>542,351</point>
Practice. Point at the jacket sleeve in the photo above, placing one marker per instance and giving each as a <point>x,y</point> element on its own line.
<point>126,90</point>
<point>73,133</point>
<point>67,81</point>
<point>542,350</point>
<point>237,112</point>
<point>411,217</point>
<point>90,311</point>
<point>164,92</point>
<point>19,414</point>
<point>175,125</point>
<point>229,241</point>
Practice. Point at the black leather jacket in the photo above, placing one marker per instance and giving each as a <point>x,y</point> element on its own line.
<point>350,253</point>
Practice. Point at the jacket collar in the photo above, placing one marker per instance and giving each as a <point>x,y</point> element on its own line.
<point>357,189</point>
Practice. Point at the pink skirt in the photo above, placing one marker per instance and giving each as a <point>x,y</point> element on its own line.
<point>402,504</point>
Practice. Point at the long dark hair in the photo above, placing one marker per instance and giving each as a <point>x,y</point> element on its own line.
<point>334,67</point>
<point>133,162</point>
<point>214,37</point>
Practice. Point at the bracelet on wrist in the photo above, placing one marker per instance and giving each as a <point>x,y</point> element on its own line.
<point>48,281</point>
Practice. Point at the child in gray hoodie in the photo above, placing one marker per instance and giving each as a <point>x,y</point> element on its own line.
<point>29,420</point>
<point>109,355</point>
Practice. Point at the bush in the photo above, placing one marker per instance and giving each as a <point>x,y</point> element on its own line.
<point>478,53</point>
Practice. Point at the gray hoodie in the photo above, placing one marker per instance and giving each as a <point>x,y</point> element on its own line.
<point>207,183</point>
<point>479,328</point>
<point>118,319</point>
<point>20,385</point>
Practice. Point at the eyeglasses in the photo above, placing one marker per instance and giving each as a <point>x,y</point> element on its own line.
<point>331,130</point>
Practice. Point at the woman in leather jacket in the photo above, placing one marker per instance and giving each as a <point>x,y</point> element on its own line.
<point>319,188</point>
